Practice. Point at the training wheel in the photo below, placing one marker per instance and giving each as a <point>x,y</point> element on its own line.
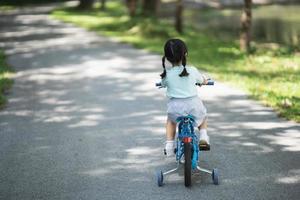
<point>215,176</point>
<point>160,178</point>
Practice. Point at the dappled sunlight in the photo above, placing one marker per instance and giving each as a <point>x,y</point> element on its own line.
<point>141,151</point>
<point>293,177</point>
<point>52,37</point>
<point>43,147</point>
<point>96,172</point>
<point>58,119</point>
<point>57,101</point>
<point>264,125</point>
<point>289,140</point>
<point>263,149</point>
<point>159,118</point>
<point>250,144</point>
<point>84,109</point>
<point>84,123</point>
<point>138,159</point>
<point>21,113</point>
<point>289,178</point>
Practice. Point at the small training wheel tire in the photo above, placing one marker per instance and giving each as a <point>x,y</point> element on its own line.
<point>215,176</point>
<point>160,178</point>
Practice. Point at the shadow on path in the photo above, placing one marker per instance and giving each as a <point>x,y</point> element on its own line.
<point>84,121</point>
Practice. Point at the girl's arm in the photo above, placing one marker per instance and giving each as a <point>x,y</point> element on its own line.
<point>164,82</point>
<point>201,78</point>
<point>205,79</point>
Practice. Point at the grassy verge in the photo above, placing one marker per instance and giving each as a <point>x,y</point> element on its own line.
<point>5,81</point>
<point>270,75</point>
<point>12,3</point>
<point>6,8</point>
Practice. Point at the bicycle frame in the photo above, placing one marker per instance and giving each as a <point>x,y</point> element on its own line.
<point>186,134</point>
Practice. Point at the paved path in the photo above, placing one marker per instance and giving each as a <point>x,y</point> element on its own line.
<point>84,121</point>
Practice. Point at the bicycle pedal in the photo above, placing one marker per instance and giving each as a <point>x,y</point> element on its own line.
<point>205,147</point>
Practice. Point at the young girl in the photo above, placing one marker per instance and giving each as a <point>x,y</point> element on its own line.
<point>180,82</point>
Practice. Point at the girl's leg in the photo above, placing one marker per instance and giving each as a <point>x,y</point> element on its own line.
<point>203,125</point>
<point>170,130</point>
<point>170,143</point>
<point>203,139</point>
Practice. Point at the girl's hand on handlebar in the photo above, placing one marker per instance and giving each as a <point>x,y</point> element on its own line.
<point>159,85</point>
<point>206,82</point>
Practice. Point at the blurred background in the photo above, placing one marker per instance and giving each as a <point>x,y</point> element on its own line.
<point>275,21</point>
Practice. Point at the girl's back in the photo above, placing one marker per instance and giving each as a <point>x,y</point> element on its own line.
<point>182,87</point>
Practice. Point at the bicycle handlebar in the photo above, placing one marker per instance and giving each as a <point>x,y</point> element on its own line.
<point>209,82</point>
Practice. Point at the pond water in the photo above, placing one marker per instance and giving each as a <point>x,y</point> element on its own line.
<point>274,23</point>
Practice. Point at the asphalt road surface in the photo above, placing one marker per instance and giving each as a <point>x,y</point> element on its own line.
<point>84,121</point>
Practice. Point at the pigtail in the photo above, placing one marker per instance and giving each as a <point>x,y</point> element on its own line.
<point>184,71</point>
<point>163,75</point>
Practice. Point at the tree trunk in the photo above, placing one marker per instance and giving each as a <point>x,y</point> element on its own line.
<point>86,4</point>
<point>102,7</point>
<point>245,37</point>
<point>178,16</point>
<point>131,4</point>
<point>150,7</point>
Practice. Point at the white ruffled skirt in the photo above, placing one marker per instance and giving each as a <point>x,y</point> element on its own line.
<point>178,107</point>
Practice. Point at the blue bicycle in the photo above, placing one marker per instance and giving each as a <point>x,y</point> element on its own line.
<point>187,150</point>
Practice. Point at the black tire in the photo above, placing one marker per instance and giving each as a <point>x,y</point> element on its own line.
<point>215,176</point>
<point>187,164</point>
<point>160,178</point>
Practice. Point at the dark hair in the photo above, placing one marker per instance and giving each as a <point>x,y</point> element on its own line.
<point>175,51</point>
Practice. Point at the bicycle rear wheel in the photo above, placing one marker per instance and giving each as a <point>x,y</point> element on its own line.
<point>187,164</point>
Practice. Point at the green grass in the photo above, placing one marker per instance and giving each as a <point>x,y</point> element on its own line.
<point>5,81</point>
<point>271,75</point>
<point>6,8</point>
<point>26,2</point>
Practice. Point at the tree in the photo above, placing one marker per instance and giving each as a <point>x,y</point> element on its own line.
<point>178,16</point>
<point>245,37</point>
<point>86,4</point>
<point>150,7</point>
<point>131,4</point>
<point>103,4</point>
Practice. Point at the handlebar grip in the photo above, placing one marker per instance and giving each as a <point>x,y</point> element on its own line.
<point>210,82</point>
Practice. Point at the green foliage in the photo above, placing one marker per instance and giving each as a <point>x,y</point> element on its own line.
<point>272,23</point>
<point>271,75</point>
<point>6,8</point>
<point>26,2</point>
<point>5,82</point>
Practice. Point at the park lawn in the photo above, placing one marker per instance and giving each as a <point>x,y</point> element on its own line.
<point>269,75</point>
<point>6,8</point>
<point>5,81</point>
